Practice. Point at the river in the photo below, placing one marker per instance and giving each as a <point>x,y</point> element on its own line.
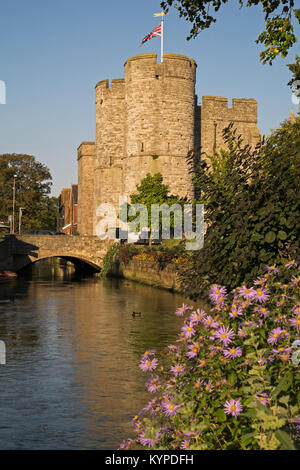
<point>71,378</point>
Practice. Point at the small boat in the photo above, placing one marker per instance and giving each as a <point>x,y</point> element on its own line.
<point>7,275</point>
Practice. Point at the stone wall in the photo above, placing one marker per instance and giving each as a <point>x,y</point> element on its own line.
<point>147,272</point>
<point>216,115</point>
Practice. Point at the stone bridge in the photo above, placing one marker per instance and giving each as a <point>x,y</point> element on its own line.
<point>17,251</point>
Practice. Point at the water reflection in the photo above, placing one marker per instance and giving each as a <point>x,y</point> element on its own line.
<point>72,378</point>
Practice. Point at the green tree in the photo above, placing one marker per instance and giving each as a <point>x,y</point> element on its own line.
<point>295,68</point>
<point>152,191</point>
<point>48,212</point>
<point>277,38</point>
<point>32,186</point>
<point>252,209</point>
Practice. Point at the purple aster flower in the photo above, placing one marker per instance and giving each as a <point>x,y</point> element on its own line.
<point>294,425</point>
<point>181,310</point>
<point>146,441</point>
<point>260,281</point>
<point>217,294</point>
<point>193,350</point>
<point>224,335</point>
<point>197,316</point>
<point>202,363</point>
<point>188,330</point>
<point>185,444</point>
<point>153,384</point>
<point>296,309</point>
<point>284,334</point>
<point>236,311</point>
<point>134,420</point>
<point>296,322</point>
<point>242,333</point>
<point>216,349</point>
<point>247,323</point>
<point>178,369</point>
<point>291,264</point>
<point>148,364</point>
<point>272,269</point>
<point>126,444</point>
<point>274,336</point>
<point>246,292</point>
<point>282,350</point>
<point>295,280</point>
<point>169,409</point>
<point>148,353</point>
<point>260,294</point>
<point>233,352</point>
<point>262,311</point>
<point>263,398</point>
<point>150,405</point>
<point>199,383</point>
<point>208,386</point>
<point>210,322</point>
<point>233,407</point>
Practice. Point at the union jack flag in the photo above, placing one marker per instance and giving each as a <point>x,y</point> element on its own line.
<point>155,32</point>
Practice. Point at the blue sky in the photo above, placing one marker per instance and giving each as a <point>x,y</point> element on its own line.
<point>52,53</point>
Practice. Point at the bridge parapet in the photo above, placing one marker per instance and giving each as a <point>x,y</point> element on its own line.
<point>19,251</point>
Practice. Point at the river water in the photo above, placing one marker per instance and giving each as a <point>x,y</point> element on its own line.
<point>71,378</point>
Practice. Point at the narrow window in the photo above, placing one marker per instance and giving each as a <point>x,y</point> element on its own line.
<point>142,146</point>
<point>110,161</point>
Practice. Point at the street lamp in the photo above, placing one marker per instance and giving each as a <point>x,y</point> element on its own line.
<point>20,218</point>
<point>14,202</point>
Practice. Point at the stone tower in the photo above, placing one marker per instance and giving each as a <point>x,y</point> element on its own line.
<point>159,117</point>
<point>86,169</point>
<point>148,122</point>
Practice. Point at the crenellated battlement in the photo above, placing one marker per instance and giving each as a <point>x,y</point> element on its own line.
<point>217,108</point>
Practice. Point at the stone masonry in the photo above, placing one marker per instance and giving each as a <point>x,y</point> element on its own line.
<point>148,122</point>
<point>86,168</point>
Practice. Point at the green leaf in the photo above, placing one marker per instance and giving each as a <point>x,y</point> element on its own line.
<point>270,237</point>
<point>220,414</point>
<point>285,440</point>
<point>284,384</point>
<point>249,436</point>
<point>284,399</point>
<point>281,235</point>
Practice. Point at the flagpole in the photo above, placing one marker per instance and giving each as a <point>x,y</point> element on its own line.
<point>162,40</point>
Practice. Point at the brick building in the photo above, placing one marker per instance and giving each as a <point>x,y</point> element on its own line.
<point>68,210</point>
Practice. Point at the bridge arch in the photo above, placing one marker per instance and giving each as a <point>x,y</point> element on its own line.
<point>78,261</point>
<point>16,251</point>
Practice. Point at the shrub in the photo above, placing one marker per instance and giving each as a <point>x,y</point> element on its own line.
<point>109,260</point>
<point>232,379</point>
<point>252,210</point>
